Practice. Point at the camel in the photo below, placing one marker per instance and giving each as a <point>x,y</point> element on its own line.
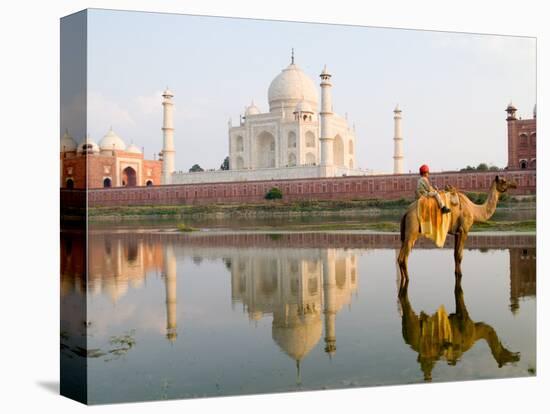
<point>463,216</point>
<point>448,336</point>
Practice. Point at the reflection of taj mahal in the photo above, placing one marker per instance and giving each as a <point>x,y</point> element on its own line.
<point>299,292</point>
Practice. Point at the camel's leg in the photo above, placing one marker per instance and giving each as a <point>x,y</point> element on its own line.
<point>409,234</point>
<point>406,248</point>
<point>460,240</point>
<point>402,259</point>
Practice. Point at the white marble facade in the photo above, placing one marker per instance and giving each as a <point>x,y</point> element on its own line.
<point>288,134</point>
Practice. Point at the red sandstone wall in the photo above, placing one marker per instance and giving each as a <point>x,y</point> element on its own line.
<point>74,168</point>
<point>384,187</point>
<point>156,167</point>
<point>100,167</point>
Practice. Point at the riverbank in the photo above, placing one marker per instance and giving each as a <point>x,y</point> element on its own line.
<point>352,208</point>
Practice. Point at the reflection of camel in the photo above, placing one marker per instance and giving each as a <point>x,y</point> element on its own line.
<point>463,216</point>
<point>442,336</point>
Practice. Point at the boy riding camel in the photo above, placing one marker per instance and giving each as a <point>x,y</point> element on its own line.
<point>424,188</point>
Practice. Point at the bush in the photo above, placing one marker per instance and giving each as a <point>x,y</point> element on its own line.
<point>274,194</point>
<point>185,228</point>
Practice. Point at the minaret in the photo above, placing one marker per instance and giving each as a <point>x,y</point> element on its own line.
<point>170,282</point>
<point>325,115</point>
<point>397,142</point>
<point>330,305</point>
<point>168,150</point>
<point>512,134</point>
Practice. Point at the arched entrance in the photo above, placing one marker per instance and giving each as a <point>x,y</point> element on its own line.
<point>266,150</point>
<point>338,151</point>
<point>291,160</point>
<point>107,183</point>
<point>129,177</point>
<point>69,184</point>
<point>523,164</point>
<point>149,183</point>
<point>310,159</point>
<point>239,163</point>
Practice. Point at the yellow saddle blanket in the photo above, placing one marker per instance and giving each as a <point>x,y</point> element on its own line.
<point>433,223</point>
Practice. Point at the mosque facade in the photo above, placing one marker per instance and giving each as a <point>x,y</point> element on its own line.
<point>111,163</point>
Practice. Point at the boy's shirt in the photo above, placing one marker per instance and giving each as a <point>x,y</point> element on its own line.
<point>423,187</point>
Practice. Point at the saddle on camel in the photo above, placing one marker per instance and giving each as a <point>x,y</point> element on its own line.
<point>433,208</point>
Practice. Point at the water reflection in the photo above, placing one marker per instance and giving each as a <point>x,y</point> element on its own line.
<point>443,336</point>
<point>142,289</point>
<point>523,279</point>
<point>298,292</point>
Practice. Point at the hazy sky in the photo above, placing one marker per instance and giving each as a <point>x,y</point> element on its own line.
<point>453,88</point>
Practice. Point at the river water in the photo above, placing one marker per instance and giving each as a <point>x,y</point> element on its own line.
<point>171,315</point>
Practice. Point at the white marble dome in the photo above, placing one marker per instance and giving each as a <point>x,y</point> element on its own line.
<point>67,143</point>
<point>88,141</point>
<point>291,86</point>
<point>252,109</point>
<point>134,149</point>
<point>112,141</point>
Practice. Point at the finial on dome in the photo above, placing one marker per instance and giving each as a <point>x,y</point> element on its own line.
<point>324,74</point>
<point>167,93</point>
<point>292,57</point>
<point>397,109</point>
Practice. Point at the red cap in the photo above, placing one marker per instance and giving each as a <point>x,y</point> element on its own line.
<point>424,169</point>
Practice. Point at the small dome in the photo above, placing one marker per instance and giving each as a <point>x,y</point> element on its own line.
<point>87,142</point>
<point>252,109</point>
<point>167,93</point>
<point>134,149</point>
<point>112,141</point>
<point>67,143</point>
<point>291,86</point>
<point>511,107</point>
<point>303,106</point>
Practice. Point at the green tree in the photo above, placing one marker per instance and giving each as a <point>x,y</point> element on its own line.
<point>196,168</point>
<point>225,164</point>
<point>274,194</point>
<point>482,167</point>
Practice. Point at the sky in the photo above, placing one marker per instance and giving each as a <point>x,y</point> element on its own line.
<point>453,88</point>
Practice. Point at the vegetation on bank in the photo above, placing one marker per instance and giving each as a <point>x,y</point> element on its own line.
<point>185,228</point>
<point>274,194</point>
<point>275,207</point>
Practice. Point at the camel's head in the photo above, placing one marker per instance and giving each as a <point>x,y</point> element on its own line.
<point>503,185</point>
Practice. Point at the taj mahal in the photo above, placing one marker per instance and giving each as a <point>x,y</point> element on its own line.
<point>299,137</point>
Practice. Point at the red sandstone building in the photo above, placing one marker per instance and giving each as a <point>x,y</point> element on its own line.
<point>522,140</point>
<point>109,164</point>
